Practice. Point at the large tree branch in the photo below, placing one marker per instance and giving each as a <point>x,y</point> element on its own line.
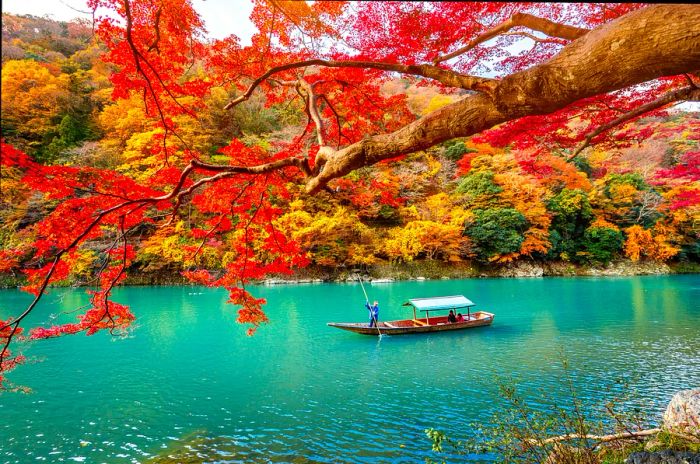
<point>178,193</point>
<point>684,94</point>
<point>534,23</point>
<point>606,59</point>
<point>224,171</point>
<point>596,438</point>
<point>444,76</point>
<point>312,107</point>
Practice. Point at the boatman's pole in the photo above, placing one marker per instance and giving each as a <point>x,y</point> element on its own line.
<point>363,288</point>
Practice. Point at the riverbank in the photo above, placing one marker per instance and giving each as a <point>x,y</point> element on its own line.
<point>436,270</point>
<point>418,270</point>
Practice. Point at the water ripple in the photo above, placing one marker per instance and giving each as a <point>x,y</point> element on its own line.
<point>188,385</point>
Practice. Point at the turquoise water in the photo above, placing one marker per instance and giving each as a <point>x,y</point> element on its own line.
<point>189,383</point>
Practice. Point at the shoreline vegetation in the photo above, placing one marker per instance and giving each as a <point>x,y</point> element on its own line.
<point>515,199</point>
<point>567,434</point>
<point>415,270</point>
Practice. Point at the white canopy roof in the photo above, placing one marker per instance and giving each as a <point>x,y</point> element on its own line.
<point>440,302</point>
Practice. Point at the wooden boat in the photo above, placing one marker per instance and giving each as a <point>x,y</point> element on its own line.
<point>426,323</point>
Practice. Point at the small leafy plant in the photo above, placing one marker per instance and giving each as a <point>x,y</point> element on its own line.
<point>564,431</point>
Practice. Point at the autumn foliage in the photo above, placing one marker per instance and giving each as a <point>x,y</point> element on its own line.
<point>146,147</point>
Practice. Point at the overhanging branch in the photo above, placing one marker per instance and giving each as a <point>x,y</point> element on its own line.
<point>684,94</point>
<point>444,76</point>
<point>534,23</point>
<point>177,193</point>
<point>606,59</point>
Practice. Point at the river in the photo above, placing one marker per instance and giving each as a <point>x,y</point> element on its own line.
<point>188,383</point>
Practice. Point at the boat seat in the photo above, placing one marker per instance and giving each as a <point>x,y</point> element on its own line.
<point>416,321</point>
<point>389,325</point>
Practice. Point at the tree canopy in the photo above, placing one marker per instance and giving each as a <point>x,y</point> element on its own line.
<point>554,83</point>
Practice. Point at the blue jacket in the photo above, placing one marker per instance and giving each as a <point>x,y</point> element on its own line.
<point>373,310</point>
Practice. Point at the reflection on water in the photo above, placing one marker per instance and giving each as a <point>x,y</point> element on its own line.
<point>199,446</point>
<point>189,386</point>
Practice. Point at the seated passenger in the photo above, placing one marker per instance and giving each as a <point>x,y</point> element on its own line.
<point>460,318</point>
<point>451,317</point>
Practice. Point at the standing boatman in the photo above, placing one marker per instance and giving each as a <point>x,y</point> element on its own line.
<point>373,313</point>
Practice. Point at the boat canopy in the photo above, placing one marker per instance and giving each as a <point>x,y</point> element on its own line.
<point>440,302</point>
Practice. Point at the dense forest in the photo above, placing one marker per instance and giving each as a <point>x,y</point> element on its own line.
<point>347,135</point>
<point>478,201</point>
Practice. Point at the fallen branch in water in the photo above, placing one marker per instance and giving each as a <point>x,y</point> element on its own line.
<point>598,438</point>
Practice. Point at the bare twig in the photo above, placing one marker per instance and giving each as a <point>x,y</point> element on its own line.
<point>532,37</point>
<point>534,23</point>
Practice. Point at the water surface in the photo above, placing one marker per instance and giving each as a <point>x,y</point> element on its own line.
<point>188,383</point>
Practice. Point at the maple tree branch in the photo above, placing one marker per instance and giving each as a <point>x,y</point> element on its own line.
<point>278,7</point>
<point>224,171</point>
<point>257,169</point>
<point>532,37</point>
<point>690,80</point>
<point>613,108</point>
<point>603,60</point>
<point>177,192</point>
<point>105,262</point>
<point>25,313</point>
<point>534,23</point>
<point>47,278</point>
<point>369,99</point>
<point>59,254</point>
<point>309,120</point>
<point>105,292</point>
<point>31,306</point>
<point>206,236</point>
<point>156,40</point>
<point>247,239</point>
<point>138,57</point>
<point>684,94</point>
<point>312,106</point>
<point>337,120</point>
<point>527,35</point>
<point>444,76</point>
<point>5,351</point>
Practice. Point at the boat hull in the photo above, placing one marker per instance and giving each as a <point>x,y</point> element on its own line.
<point>412,326</point>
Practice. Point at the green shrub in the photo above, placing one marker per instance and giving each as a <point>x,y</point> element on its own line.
<point>602,243</point>
<point>496,231</point>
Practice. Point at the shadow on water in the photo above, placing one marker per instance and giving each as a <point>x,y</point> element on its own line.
<point>199,446</point>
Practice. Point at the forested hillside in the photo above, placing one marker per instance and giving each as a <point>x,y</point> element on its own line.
<point>346,135</point>
<point>481,200</point>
